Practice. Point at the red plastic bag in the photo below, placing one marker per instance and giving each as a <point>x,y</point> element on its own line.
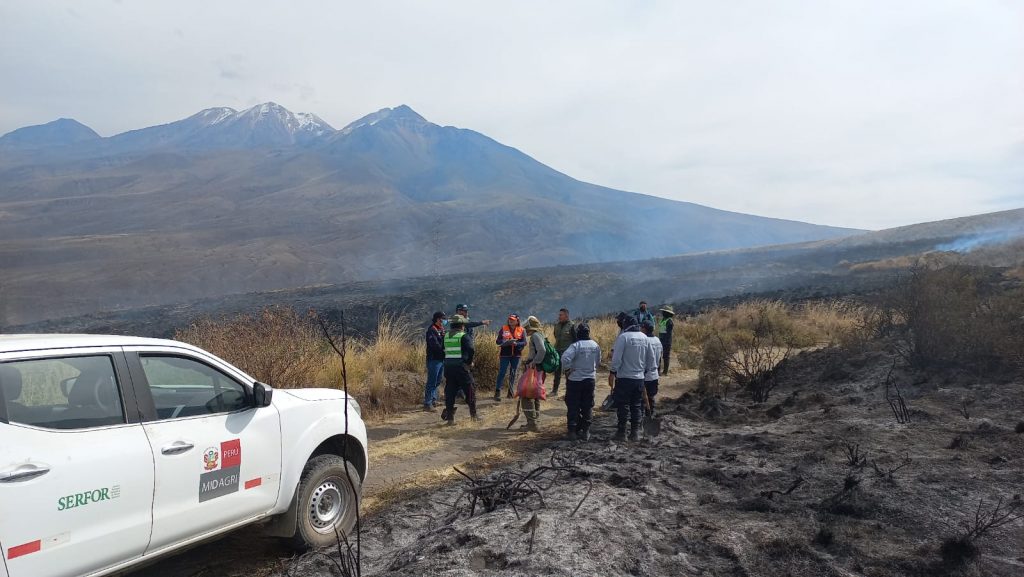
<point>531,385</point>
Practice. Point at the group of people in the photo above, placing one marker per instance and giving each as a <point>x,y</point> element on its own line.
<point>640,355</point>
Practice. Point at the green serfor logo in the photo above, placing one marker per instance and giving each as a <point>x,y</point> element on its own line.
<point>88,497</point>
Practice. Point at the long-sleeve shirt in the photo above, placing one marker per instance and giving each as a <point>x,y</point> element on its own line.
<point>535,356</point>
<point>581,359</point>
<point>435,343</point>
<point>513,347</point>
<point>631,356</point>
<point>565,335</point>
<point>467,352</point>
<point>470,325</point>
<point>651,372</point>
<point>643,316</point>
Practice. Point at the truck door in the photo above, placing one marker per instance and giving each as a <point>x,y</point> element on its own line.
<point>218,458</point>
<point>76,469</point>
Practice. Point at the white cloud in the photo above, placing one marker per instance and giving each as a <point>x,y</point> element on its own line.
<point>866,114</point>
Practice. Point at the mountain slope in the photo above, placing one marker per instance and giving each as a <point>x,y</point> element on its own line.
<point>226,201</point>
<point>857,265</point>
<point>60,132</point>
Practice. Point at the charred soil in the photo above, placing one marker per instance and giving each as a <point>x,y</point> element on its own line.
<point>821,480</point>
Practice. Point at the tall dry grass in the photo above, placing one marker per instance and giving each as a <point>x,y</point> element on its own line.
<point>286,349</point>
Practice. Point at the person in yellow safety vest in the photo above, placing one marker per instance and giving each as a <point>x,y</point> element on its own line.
<point>458,359</point>
<point>665,327</point>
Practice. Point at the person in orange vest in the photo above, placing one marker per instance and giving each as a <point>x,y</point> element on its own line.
<point>511,342</point>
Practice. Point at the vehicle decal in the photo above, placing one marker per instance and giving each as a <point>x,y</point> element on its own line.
<point>25,549</point>
<point>210,456</point>
<point>253,483</point>
<point>231,453</point>
<point>221,478</point>
<point>37,545</point>
<point>88,497</point>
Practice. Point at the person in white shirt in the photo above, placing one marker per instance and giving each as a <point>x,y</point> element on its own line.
<point>652,372</point>
<point>631,356</point>
<point>580,365</point>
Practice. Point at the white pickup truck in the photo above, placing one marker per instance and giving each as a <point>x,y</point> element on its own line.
<point>114,450</point>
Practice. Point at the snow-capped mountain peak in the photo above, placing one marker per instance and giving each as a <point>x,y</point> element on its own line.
<point>398,113</point>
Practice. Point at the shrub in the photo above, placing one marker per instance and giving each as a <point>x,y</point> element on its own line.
<point>276,345</point>
<point>285,349</point>
<point>959,316</point>
<point>750,355</point>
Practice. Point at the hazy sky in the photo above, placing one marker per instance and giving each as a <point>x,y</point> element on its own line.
<point>856,113</point>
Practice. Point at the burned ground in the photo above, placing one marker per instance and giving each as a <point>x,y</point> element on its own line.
<point>820,480</point>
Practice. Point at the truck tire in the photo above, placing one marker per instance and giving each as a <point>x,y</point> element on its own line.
<point>327,502</point>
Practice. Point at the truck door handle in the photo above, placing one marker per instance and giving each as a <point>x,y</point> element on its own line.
<point>177,447</point>
<point>23,474</point>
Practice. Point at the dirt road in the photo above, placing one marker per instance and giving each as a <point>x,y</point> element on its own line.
<point>410,453</point>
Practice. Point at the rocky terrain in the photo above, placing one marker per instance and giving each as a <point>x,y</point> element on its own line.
<point>821,480</point>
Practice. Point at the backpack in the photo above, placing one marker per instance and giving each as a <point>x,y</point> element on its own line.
<point>551,359</point>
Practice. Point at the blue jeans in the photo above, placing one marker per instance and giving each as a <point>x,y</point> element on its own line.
<point>434,371</point>
<point>504,365</point>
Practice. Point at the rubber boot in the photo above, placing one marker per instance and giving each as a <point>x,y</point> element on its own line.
<point>583,434</point>
<point>620,433</point>
<point>451,416</point>
<point>634,434</point>
<point>571,435</point>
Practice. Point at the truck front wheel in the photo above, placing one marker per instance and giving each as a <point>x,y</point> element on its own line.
<point>328,500</point>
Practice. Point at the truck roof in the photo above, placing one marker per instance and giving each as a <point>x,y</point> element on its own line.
<point>33,342</point>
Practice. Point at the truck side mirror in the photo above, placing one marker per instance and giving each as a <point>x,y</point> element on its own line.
<point>262,394</point>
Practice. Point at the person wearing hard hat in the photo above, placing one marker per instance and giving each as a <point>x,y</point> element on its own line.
<point>665,327</point>
<point>458,358</point>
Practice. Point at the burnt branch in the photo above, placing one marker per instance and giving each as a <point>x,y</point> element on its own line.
<point>854,456</point>
<point>890,472</point>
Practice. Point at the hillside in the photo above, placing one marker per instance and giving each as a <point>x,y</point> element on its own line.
<point>859,264</point>
<point>232,201</point>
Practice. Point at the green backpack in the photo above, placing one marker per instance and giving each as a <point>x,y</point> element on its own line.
<point>551,359</point>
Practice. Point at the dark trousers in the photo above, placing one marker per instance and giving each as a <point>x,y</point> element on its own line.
<point>458,378</point>
<point>666,356</point>
<point>629,398</point>
<point>579,402</point>
<point>558,376</point>
<point>652,391</point>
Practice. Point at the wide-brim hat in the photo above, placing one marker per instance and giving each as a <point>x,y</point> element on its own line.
<point>667,309</point>
<point>533,323</point>
<point>457,320</point>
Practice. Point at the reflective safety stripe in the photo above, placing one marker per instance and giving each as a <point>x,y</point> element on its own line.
<point>453,346</point>
<point>25,549</point>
